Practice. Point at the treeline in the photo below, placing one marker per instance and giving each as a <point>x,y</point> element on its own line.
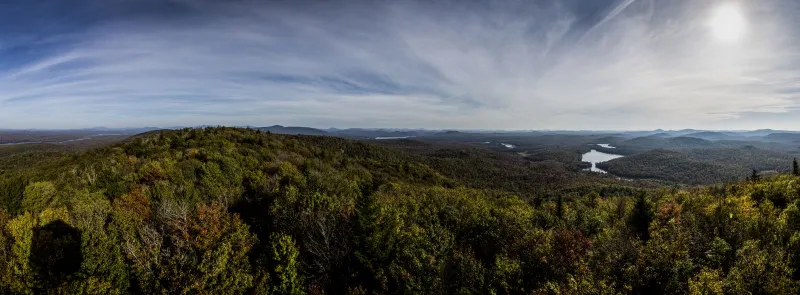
<point>238,211</point>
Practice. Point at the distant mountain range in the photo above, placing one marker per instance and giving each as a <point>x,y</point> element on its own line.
<point>367,133</point>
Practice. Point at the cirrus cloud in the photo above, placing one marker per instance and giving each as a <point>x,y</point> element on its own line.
<point>490,65</point>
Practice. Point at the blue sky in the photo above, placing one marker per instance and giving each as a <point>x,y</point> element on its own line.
<point>568,64</point>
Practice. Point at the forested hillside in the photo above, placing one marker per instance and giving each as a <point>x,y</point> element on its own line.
<point>240,211</point>
<point>544,173</point>
<point>698,166</point>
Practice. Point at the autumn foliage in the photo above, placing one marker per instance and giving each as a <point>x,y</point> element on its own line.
<point>238,211</point>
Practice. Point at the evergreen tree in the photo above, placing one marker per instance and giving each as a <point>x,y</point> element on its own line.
<point>560,207</point>
<point>795,168</point>
<point>754,176</point>
<point>640,218</point>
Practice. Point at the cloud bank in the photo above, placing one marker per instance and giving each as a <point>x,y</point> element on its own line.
<point>443,64</point>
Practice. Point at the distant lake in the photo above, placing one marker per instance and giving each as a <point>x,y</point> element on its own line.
<point>393,137</point>
<point>510,146</point>
<point>63,141</point>
<point>595,157</point>
<point>21,142</point>
<point>605,145</point>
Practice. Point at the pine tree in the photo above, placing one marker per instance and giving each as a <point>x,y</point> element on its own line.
<point>560,207</point>
<point>754,176</point>
<point>795,168</point>
<point>640,218</point>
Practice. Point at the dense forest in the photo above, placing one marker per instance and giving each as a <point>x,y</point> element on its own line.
<point>699,166</point>
<point>242,211</point>
<point>673,157</point>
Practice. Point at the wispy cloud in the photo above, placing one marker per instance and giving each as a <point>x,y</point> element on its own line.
<point>525,65</point>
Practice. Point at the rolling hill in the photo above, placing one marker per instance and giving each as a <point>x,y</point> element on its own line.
<point>698,166</point>
<point>293,130</point>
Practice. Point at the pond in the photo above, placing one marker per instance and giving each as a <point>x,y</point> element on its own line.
<point>605,145</point>
<point>595,157</point>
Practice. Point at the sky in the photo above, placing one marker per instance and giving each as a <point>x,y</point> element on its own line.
<point>440,64</point>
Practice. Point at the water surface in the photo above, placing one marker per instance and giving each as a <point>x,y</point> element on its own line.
<point>63,141</point>
<point>21,142</point>
<point>595,157</point>
<point>394,137</point>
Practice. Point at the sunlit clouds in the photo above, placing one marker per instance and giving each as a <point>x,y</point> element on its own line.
<point>727,22</point>
<point>549,64</point>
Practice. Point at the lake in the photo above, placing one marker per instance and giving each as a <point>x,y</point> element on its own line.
<point>605,145</point>
<point>393,137</point>
<point>22,142</point>
<point>63,141</point>
<point>595,157</point>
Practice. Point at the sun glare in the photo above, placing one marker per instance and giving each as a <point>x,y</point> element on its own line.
<point>727,22</point>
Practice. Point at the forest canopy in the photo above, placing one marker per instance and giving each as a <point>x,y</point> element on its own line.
<point>242,211</point>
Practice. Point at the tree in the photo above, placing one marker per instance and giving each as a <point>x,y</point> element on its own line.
<point>216,245</point>
<point>795,168</point>
<point>706,282</point>
<point>285,256</point>
<point>759,271</point>
<point>754,176</point>
<point>38,196</point>
<point>6,241</point>
<point>640,218</point>
<point>560,207</point>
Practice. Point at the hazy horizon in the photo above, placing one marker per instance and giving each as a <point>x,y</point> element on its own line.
<point>404,129</point>
<point>603,65</point>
